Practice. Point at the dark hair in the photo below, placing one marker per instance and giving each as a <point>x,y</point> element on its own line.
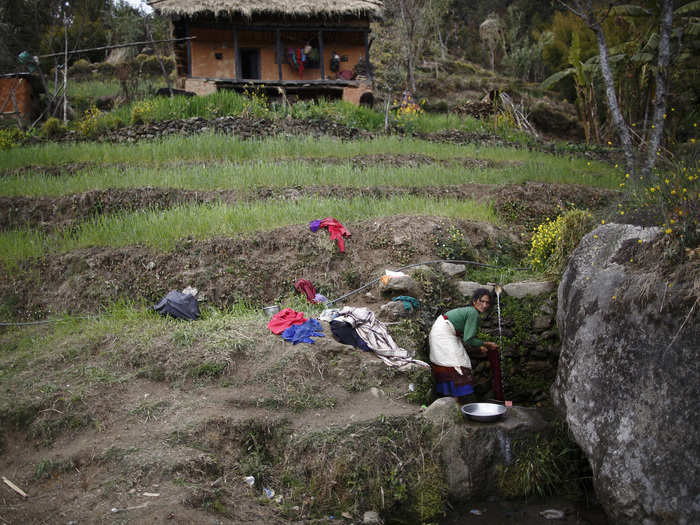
<point>479,293</point>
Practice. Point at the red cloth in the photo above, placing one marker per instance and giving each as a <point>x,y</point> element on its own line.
<point>284,319</point>
<point>336,230</point>
<point>305,287</point>
<point>495,363</point>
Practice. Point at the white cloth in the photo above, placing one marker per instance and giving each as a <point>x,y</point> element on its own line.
<point>375,334</point>
<point>446,347</point>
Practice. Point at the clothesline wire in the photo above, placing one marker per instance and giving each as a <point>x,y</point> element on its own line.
<point>353,292</point>
<point>473,263</point>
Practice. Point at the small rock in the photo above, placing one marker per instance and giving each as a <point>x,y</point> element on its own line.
<point>542,322</point>
<point>150,265</point>
<point>452,269</point>
<point>393,310</point>
<point>525,288</point>
<point>400,286</point>
<point>371,518</point>
<point>376,392</point>
<point>467,288</point>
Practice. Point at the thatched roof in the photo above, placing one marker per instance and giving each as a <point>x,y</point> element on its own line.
<point>285,7</point>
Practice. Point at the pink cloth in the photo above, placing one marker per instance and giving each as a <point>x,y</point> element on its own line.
<point>336,230</point>
<point>284,319</point>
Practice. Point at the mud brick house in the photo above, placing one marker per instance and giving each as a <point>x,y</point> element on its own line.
<point>303,48</point>
<point>19,92</point>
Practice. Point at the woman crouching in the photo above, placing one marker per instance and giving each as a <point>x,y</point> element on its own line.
<point>450,363</point>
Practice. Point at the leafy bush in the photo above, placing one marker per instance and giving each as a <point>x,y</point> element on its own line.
<point>150,65</point>
<point>10,138</point>
<point>672,199</point>
<point>80,68</point>
<point>88,125</point>
<point>106,69</point>
<point>453,245</point>
<point>555,240</point>
<point>52,128</point>
<point>142,112</point>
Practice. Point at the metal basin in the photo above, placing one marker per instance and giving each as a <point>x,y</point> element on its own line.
<point>483,411</point>
<point>270,311</point>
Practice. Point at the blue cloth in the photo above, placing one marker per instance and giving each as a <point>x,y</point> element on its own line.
<point>409,303</point>
<point>448,388</point>
<point>315,225</point>
<point>302,333</point>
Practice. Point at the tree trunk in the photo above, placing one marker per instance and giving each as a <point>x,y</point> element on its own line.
<point>657,127</point>
<point>409,46</point>
<point>619,121</point>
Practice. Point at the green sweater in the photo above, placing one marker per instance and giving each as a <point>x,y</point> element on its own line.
<point>466,320</point>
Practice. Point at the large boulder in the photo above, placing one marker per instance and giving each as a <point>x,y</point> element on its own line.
<point>628,379</point>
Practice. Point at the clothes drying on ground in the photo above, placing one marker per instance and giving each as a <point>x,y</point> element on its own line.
<point>284,319</point>
<point>315,225</point>
<point>179,305</point>
<point>320,298</point>
<point>336,230</point>
<point>346,334</point>
<point>304,286</point>
<point>409,303</point>
<point>303,333</point>
<point>375,334</point>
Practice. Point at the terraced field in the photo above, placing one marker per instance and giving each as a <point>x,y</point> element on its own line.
<point>103,402</point>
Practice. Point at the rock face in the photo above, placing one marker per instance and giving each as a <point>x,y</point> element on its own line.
<point>628,379</point>
<point>471,451</point>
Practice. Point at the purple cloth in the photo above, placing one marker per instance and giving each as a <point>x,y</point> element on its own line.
<point>315,225</point>
<point>320,298</point>
<point>302,333</point>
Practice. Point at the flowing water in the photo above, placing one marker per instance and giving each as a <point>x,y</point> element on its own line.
<point>497,289</point>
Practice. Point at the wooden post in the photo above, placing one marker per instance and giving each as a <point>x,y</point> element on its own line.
<point>189,49</point>
<point>237,58</point>
<point>367,66</point>
<point>320,54</point>
<point>278,44</point>
<point>65,70</point>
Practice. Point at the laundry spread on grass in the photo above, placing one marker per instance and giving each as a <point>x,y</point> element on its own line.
<point>284,319</point>
<point>372,331</point>
<point>303,333</point>
<point>336,230</point>
<point>179,305</point>
<point>304,286</point>
<point>409,303</point>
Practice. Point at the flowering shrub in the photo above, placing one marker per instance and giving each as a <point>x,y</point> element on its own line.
<point>9,138</point>
<point>407,112</point>
<point>87,126</point>
<point>673,199</point>
<point>453,245</point>
<point>259,105</point>
<point>553,241</point>
<point>142,112</point>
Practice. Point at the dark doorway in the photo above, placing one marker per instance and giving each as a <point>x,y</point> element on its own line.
<point>250,63</point>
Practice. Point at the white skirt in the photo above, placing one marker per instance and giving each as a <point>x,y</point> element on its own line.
<point>446,347</point>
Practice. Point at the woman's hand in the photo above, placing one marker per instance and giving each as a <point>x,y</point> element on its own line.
<point>490,345</point>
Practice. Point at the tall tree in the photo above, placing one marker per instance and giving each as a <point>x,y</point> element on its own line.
<point>635,162</point>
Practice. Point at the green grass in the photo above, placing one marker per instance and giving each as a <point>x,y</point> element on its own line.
<point>220,162</point>
<point>162,229</point>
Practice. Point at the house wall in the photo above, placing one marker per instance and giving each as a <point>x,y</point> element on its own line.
<point>23,94</point>
<point>206,44</point>
<point>210,42</point>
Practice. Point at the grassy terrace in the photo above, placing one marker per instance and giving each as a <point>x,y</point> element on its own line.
<point>211,162</point>
<point>161,229</point>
